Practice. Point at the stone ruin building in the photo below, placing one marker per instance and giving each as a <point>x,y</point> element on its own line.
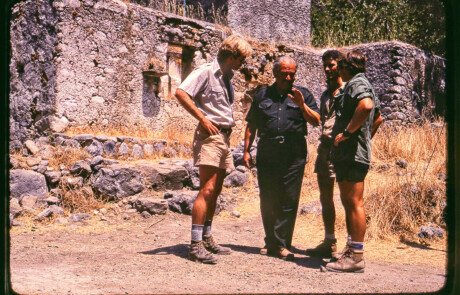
<point>111,64</point>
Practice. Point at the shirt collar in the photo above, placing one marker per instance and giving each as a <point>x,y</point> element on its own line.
<point>217,70</point>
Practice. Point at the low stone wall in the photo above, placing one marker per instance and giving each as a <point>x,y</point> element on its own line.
<point>111,65</point>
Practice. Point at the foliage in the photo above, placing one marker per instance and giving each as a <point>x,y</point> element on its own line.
<point>346,22</point>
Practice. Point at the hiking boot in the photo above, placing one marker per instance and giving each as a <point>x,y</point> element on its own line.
<point>339,254</point>
<point>327,249</point>
<point>282,253</point>
<point>215,248</point>
<point>198,253</point>
<point>350,261</point>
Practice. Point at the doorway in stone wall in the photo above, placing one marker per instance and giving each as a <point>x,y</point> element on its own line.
<point>179,64</point>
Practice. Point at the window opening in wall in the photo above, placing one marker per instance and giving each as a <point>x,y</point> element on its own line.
<point>151,87</point>
<point>179,61</point>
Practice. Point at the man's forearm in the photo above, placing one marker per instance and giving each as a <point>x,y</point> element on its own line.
<point>360,115</point>
<point>186,101</point>
<point>376,123</point>
<point>310,115</point>
<point>249,135</point>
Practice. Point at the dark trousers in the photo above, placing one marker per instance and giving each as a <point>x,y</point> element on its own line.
<point>280,169</point>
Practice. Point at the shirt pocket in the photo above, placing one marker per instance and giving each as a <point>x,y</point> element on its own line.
<point>293,111</point>
<point>266,108</point>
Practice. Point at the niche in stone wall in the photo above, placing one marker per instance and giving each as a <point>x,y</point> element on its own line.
<point>179,64</point>
<point>151,101</point>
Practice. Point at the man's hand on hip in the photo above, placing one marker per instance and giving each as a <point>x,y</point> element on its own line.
<point>209,126</point>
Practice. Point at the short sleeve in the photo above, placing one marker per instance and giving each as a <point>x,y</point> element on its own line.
<point>359,91</point>
<point>376,103</point>
<point>195,82</point>
<point>310,100</point>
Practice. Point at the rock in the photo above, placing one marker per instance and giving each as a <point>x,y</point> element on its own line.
<point>14,163</point>
<point>117,181</point>
<point>15,208</point>
<point>146,214</point>
<point>227,201</point>
<point>44,214</point>
<point>72,182</point>
<point>123,150</point>
<point>101,138</point>
<point>28,202</point>
<point>72,143</point>
<point>52,200</point>
<point>41,169</point>
<point>159,148</point>
<point>442,176</point>
<point>58,124</point>
<point>169,152</point>
<point>236,214</point>
<point>110,148</point>
<point>25,182</point>
<point>148,150</point>
<point>96,161</point>
<point>15,146</point>
<point>163,176</point>
<point>194,173</point>
<point>242,168</point>
<point>402,163</point>
<point>83,138</point>
<point>81,168</point>
<point>56,210</point>
<point>95,148</point>
<point>32,147</point>
<point>181,202</point>
<point>152,205</point>
<point>32,161</point>
<point>429,232</point>
<point>238,159</point>
<point>307,209</point>
<point>236,178</point>
<point>137,152</point>
<point>383,167</point>
<point>79,217</point>
<point>61,220</point>
<point>399,80</point>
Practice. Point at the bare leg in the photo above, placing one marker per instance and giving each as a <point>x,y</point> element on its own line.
<point>326,196</point>
<point>211,179</point>
<point>351,194</point>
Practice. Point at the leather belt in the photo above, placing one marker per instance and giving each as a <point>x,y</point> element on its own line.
<point>224,130</point>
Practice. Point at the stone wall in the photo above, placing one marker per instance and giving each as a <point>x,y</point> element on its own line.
<point>274,21</point>
<point>111,65</point>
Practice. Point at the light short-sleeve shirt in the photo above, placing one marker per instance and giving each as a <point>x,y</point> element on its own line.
<point>206,86</point>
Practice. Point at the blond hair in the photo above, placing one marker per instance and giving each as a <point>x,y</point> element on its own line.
<point>234,45</point>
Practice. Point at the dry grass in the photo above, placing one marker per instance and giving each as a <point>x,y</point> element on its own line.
<point>67,156</point>
<point>81,200</point>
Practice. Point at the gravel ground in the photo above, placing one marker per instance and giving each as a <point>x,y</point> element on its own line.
<point>149,256</point>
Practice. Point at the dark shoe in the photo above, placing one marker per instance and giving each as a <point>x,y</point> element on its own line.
<point>198,253</point>
<point>285,254</point>
<point>350,261</point>
<point>215,248</point>
<point>327,249</point>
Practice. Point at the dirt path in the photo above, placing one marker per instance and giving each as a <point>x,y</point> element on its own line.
<point>144,256</point>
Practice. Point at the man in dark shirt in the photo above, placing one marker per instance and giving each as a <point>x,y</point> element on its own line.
<point>356,122</point>
<point>279,114</point>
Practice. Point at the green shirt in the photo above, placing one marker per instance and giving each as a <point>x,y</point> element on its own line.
<point>358,146</point>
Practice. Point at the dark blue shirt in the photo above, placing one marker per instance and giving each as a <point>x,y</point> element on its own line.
<point>276,114</point>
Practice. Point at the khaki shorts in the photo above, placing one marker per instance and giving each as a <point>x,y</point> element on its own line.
<point>212,150</point>
<point>323,165</point>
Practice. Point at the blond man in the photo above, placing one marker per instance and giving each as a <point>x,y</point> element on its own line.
<point>207,94</point>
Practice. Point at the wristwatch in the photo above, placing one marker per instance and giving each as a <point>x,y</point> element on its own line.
<point>347,134</point>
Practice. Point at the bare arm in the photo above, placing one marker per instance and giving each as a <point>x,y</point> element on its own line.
<point>360,115</point>
<point>309,115</point>
<point>377,121</point>
<point>186,101</point>
<point>249,136</point>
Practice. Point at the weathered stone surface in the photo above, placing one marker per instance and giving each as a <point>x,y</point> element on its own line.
<point>61,220</point>
<point>24,182</point>
<point>95,148</point>
<point>44,214</point>
<point>33,161</point>
<point>123,150</point>
<point>137,152</point>
<point>96,161</point>
<point>52,200</point>
<point>164,176</point>
<point>227,201</point>
<point>236,178</point>
<point>72,182</point>
<point>110,148</point>
<point>429,232</point>
<point>194,173</point>
<point>83,138</point>
<point>15,208</point>
<point>81,168</point>
<point>152,205</point>
<point>181,202</point>
<point>56,210</point>
<point>58,124</point>
<point>148,150</point>
<point>159,147</point>
<point>28,202</point>
<point>307,209</point>
<point>32,147</point>
<point>118,181</point>
<point>78,217</point>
